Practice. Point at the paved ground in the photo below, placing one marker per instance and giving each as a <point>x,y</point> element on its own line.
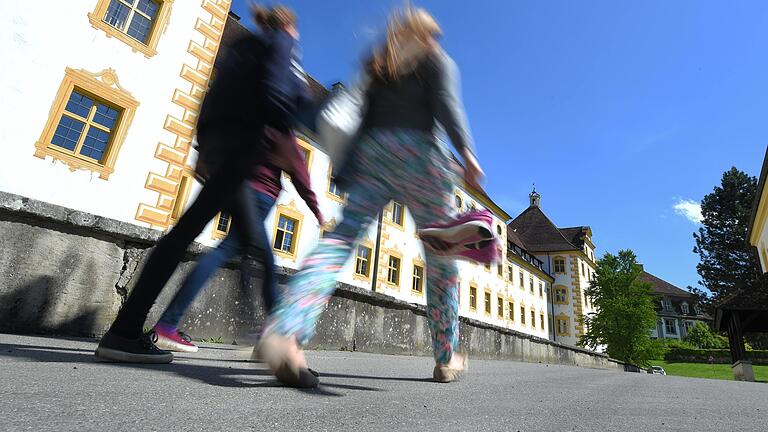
<point>57,385</point>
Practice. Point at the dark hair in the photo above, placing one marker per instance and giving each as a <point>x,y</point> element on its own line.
<point>274,17</point>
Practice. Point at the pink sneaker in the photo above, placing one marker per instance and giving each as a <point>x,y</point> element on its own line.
<point>470,227</point>
<point>169,338</point>
<point>483,251</point>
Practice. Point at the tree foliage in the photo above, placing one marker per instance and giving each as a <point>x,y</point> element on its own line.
<point>727,263</point>
<point>700,336</point>
<point>626,311</point>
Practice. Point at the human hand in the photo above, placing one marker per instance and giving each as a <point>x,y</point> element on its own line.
<point>473,174</point>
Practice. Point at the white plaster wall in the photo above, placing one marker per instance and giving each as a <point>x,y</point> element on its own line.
<point>39,47</point>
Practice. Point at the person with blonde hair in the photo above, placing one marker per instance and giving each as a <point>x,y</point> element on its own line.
<point>413,87</point>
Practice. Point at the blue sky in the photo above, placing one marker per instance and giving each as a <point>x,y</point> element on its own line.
<point>617,111</point>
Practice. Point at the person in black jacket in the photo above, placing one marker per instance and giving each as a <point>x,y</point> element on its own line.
<point>255,87</point>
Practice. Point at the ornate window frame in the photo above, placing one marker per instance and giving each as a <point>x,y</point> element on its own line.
<point>357,276</point>
<point>487,302</point>
<point>290,212</point>
<point>561,289</point>
<point>102,85</point>
<point>216,233</point>
<point>159,25</point>
<point>420,264</point>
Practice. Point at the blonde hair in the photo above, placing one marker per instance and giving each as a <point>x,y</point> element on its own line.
<point>274,17</point>
<point>410,34</point>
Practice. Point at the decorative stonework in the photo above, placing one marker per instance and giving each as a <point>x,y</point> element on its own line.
<point>578,307</point>
<point>158,215</point>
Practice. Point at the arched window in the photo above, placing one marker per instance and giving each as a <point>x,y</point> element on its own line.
<point>458,202</point>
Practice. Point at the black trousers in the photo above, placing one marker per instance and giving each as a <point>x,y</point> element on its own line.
<point>225,190</point>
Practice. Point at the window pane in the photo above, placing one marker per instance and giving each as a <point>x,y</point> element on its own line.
<point>105,116</point>
<point>67,133</point>
<point>223,224</point>
<point>397,213</point>
<point>117,14</point>
<point>289,224</point>
<point>278,240</point>
<point>79,104</point>
<point>287,242</point>
<point>148,7</point>
<point>95,144</point>
<point>139,28</point>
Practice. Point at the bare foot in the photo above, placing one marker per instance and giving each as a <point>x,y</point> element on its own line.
<point>456,362</point>
<point>294,354</point>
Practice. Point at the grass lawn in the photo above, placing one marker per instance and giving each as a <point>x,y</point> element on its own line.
<point>705,370</point>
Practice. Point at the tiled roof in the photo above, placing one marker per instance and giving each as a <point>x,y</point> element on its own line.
<point>539,233</point>
<point>575,235</point>
<point>662,287</point>
<point>513,238</point>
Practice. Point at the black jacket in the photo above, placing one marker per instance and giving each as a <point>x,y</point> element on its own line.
<point>256,84</point>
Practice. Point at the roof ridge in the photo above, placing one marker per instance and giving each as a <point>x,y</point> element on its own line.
<point>666,282</point>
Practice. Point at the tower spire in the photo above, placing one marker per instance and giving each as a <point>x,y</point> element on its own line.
<point>535,197</point>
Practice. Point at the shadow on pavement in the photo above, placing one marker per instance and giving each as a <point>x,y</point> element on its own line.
<point>213,375</point>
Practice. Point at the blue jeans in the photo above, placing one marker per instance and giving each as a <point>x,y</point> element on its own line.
<point>225,251</point>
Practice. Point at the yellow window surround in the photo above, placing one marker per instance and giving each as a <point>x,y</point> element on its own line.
<point>398,213</point>
<point>104,88</point>
<point>159,23</point>
<point>366,274</point>
<point>182,194</point>
<point>561,294</point>
<point>290,213</point>
<point>500,306</point>
<point>419,278</point>
<point>307,151</point>
<point>216,233</point>
<point>394,269</point>
<point>487,302</point>
<point>563,325</point>
<point>472,298</point>
<point>340,198</point>
<point>559,264</point>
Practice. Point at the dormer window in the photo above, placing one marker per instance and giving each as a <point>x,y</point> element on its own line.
<point>684,308</point>
<point>666,304</point>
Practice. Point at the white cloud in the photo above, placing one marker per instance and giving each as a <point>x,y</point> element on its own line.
<point>689,209</point>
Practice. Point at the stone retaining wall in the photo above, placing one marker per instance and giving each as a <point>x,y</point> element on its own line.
<point>67,272</point>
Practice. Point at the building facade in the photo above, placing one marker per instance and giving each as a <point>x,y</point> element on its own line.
<point>677,309</point>
<point>102,121</point>
<point>758,227</point>
<point>101,114</point>
<point>567,254</point>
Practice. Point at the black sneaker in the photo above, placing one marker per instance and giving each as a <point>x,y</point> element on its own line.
<point>141,350</point>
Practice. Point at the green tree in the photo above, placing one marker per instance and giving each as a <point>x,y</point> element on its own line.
<point>626,311</point>
<point>726,260</point>
<point>702,337</point>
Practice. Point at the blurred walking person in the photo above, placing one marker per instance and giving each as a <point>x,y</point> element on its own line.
<point>265,186</point>
<point>255,87</point>
<point>413,86</point>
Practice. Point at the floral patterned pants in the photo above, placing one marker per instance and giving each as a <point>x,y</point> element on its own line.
<point>388,164</point>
